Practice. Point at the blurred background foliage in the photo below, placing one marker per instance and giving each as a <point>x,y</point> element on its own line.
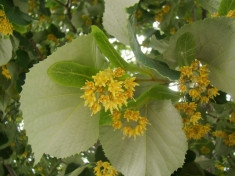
<point>40,26</point>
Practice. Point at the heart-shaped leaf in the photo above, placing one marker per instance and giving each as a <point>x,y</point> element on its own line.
<point>55,119</point>
<point>158,153</point>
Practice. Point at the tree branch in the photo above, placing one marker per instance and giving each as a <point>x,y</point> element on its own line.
<point>10,170</point>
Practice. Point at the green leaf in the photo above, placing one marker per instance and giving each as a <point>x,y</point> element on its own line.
<point>156,92</point>
<point>161,67</point>
<point>5,50</point>
<point>70,74</point>
<point>115,18</point>
<point>55,119</point>
<point>211,5</point>
<point>226,6</point>
<point>70,164</point>
<point>7,135</point>
<point>107,49</point>
<point>185,48</point>
<point>19,28</point>
<point>159,45</point>
<point>18,17</point>
<point>77,171</point>
<point>212,48</point>
<point>100,155</point>
<point>192,169</point>
<point>159,152</point>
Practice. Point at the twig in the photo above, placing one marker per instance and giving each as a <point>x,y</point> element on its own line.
<point>60,3</point>
<point>10,170</point>
<point>36,49</point>
<point>69,14</point>
<point>204,13</point>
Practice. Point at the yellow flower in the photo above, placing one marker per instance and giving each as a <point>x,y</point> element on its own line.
<point>205,150</point>
<point>130,84</point>
<point>172,30</point>
<point>230,141</point>
<point>195,65</point>
<point>220,134</point>
<point>5,27</point>
<point>5,72</point>
<point>212,92</point>
<point>194,94</point>
<point>132,124</point>
<point>186,71</point>
<point>204,99</point>
<point>231,13</point>
<point>215,15</point>
<point>52,37</point>
<point>119,72</point>
<point>218,166</point>
<point>196,131</point>
<point>107,90</point>
<point>88,22</point>
<point>138,14</point>
<point>104,169</point>
<point>195,117</point>
<point>232,118</point>
<point>166,8</point>
<point>182,88</point>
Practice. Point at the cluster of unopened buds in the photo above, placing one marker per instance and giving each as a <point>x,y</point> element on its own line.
<point>111,89</point>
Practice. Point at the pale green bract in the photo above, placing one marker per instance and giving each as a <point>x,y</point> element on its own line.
<point>115,18</point>
<point>5,50</point>
<point>158,153</point>
<point>55,119</point>
<point>214,47</point>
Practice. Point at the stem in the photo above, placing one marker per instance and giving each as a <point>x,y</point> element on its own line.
<point>36,49</point>
<point>204,13</point>
<point>69,14</point>
<point>60,3</point>
<point>10,170</point>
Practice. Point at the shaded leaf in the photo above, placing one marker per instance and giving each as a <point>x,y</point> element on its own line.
<point>185,48</point>
<point>115,18</point>
<point>212,48</point>
<point>5,50</point>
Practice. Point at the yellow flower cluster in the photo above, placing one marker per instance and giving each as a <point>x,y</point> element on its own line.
<point>5,72</point>
<point>106,89</point>
<point>138,14</point>
<point>196,131</point>
<point>194,81</point>
<point>220,167</point>
<point>104,169</point>
<point>32,5</point>
<point>229,139</point>
<point>231,13</point>
<point>132,124</point>
<point>165,9</point>
<point>5,27</point>
<point>52,37</point>
<point>205,150</point>
<point>232,118</point>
